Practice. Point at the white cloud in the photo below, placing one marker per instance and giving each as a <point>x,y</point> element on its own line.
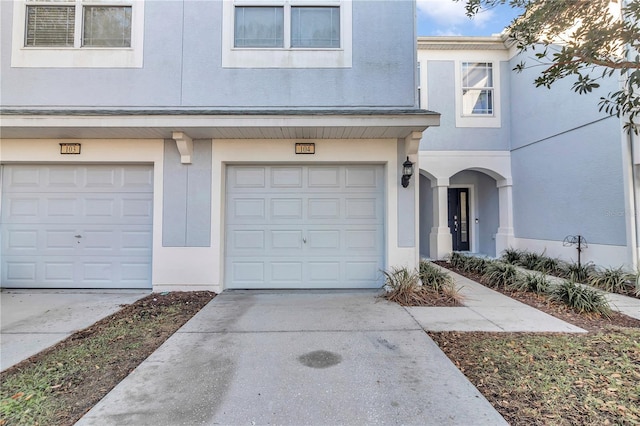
<point>450,15</point>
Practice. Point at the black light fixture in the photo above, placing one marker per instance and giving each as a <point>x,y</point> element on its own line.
<point>407,172</point>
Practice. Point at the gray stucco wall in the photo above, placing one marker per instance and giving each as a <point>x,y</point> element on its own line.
<point>187,197</point>
<point>571,184</point>
<point>566,163</point>
<point>441,97</point>
<point>182,66</point>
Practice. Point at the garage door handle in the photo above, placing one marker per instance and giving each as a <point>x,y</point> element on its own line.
<point>304,240</point>
<point>78,236</point>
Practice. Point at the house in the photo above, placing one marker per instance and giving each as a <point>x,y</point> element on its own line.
<point>181,145</point>
<point>517,166</point>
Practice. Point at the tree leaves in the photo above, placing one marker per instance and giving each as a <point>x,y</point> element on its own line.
<point>582,40</point>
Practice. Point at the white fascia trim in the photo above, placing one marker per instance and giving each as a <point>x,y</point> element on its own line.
<point>233,57</point>
<point>77,57</point>
<point>182,122</point>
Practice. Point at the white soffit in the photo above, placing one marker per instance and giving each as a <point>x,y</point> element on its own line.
<point>223,126</point>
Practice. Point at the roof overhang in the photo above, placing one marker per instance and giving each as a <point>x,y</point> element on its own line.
<point>209,124</point>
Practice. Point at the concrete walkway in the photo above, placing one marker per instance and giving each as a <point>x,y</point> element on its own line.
<point>308,357</point>
<point>488,310</point>
<point>629,306</point>
<point>33,320</point>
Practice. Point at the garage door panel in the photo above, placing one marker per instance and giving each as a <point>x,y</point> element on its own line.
<point>362,177</point>
<point>316,231</point>
<point>77,226</point>
<point>286,208</point>
<point>286,240</point>
<point>286,177</point>
<point>248,239</point>
<point>367,271</point>
<point>285,271</point>
<point>74,178</point>
<point>324,177</point>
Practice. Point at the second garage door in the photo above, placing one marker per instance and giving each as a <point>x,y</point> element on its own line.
<point>76,226</point>
<point>304,226</point>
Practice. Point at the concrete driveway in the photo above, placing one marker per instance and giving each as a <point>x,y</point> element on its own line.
<point>303,358</point>
<point>33,320</point>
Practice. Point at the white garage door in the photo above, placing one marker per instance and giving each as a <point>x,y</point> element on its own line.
<point>70,226</point>
<point>304,226</point>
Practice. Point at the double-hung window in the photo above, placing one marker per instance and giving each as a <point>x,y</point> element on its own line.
<point>477,85</point>
<point>287,26</point>
<point>295,33</point>
<point>69,33</point>
<point>477,88</point>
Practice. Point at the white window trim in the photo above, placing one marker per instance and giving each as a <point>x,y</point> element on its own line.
<point>78,57</point>
<point>250,57</point>
<point>480,120</point>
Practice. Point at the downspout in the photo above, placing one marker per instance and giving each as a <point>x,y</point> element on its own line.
<point>629,171</point>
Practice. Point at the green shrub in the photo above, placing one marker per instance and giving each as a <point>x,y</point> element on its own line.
<point>536,283</point>
<point>530,260</point>
<point>575,272</point>
<point>434,277</point>
<point>548,265</point>
<point>613,280</point>
<point>499,274</point>
<point>401,279</point>
<point>480,265</point>
<point>581,298</point>
<point>511,256</point>
<point>457,259</point>
<point>403,285</point>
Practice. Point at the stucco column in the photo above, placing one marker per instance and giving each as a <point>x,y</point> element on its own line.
<point>440,237</point>
<point>505,237</point>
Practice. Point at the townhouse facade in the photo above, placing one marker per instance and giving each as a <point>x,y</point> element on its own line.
<point>517,166</point>
<point>208,145</point>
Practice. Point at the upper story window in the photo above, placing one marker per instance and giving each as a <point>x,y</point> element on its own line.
<point>74,24</point>
<point>269,26</point>
<point>259,26</point>
<point>477,88</point>
<point>287,33</point>
<point>78,33</point>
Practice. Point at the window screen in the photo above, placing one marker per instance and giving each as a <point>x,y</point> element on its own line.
<point>259,27</point>
<point>315,27</point>
<point>477,88</point>
<point>108,26</point>
<point>50,25</point>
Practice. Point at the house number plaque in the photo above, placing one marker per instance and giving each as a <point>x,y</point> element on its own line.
<point>69,148</point>
<point>305,148</point>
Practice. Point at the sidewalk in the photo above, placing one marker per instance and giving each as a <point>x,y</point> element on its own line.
<point>33,320</point>
<point>488,310</point>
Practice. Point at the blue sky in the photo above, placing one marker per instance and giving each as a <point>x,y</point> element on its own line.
<point>447,18</point>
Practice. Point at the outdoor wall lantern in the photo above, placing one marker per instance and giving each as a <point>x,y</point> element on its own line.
<point>407,172</point>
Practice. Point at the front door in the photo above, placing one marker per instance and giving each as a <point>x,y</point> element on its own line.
<point>459,218</point>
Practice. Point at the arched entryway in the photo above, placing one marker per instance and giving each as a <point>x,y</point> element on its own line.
<point>464,208</point>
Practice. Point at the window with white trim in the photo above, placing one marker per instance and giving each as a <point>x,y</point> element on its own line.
<point>78,33</point>
<point>287,33</point>
<point>268,26</point>
<point>477,88</point>
<point>77,24</point>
